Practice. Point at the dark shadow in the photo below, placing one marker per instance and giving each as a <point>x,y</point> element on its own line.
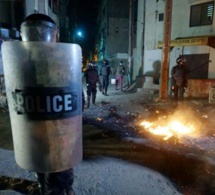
<point>191,175</point>
<point>155,73</point>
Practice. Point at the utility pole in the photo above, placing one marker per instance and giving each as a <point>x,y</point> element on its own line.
<point>130,44</point>
<point>166,50</point>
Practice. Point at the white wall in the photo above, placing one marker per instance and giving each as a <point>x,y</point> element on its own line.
<point>29,7</point>
<point>151,56</point>
<point>150,25</point>
<point>138,57</point>
<point>181,19</point>
<point>153,33</point>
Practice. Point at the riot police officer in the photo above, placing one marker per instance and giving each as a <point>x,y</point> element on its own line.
<point>92,78</point>
<point>40,27</point>
<point>179,78</point>
<point>105,72</point>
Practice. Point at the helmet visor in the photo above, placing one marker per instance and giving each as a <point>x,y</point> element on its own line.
<point>39,31</point>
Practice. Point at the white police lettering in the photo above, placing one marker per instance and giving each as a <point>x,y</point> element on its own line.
<point>41,104</point>
<point>57,106</point>
<point>68,102</point>
<point>20,102</point>
<point>46,103</point>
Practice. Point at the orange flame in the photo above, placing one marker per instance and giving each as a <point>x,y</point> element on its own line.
<point>172,128</point>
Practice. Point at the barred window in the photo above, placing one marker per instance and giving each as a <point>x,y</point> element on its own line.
<point>201,14</point>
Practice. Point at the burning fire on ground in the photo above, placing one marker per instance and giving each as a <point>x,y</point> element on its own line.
<point>180,124</point>
<point>171,128</point>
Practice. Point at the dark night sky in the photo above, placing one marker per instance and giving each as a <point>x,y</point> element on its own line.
<point>86,16</point>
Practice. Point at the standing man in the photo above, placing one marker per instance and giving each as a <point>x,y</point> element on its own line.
<point>105,72</point>
<point>120,71</point>
<point>92,78</point>
<point>45,103</point>
<point>179,79</point>
<point>56,183</point>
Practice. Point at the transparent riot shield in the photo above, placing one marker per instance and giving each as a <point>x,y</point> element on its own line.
<point>44,92</point>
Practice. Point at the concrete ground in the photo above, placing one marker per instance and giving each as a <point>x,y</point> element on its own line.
<point>113,176</point>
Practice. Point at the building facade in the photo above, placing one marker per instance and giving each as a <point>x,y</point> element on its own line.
<point>113,27</point>
<point>192,36</point>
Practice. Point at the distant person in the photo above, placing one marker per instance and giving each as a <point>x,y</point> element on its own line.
<point>120,71</point>
<point>92,78</point>
<point>179,79</point>
<point>105,72</point>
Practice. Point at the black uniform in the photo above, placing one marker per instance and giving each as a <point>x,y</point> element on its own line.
<point>105,71</point>
<point>57,183</point>
<point>92,78</point>
<point>179,79</point>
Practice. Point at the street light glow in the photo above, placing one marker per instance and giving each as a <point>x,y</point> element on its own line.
<point>79,33</point>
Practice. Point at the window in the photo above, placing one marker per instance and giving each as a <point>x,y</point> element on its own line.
<point>202,14</point>
<point>160,17</point>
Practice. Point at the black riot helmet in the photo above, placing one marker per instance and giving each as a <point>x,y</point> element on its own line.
<point>180,61</point>
<point>39,27</point>
<point>105,62</point>
<point>92,64</point>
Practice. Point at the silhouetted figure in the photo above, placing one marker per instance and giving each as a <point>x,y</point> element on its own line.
<point>179,79</point>
<point>92,78</point>
<point>105,72</point>
<point>120,71</point>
